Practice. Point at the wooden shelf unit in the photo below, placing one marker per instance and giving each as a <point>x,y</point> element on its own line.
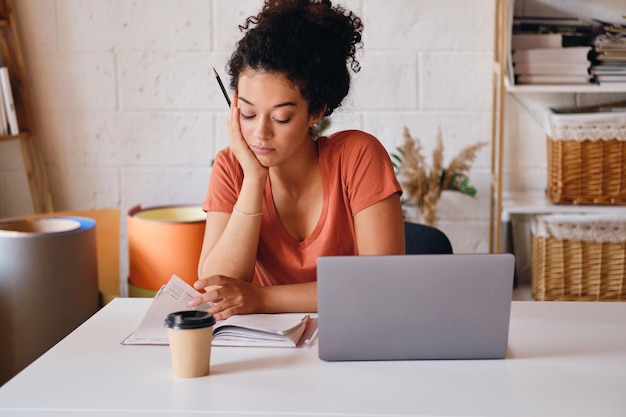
<point>12,57</point>
<point>503,203</point>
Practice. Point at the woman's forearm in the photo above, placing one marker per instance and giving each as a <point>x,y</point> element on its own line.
<point>231,241</point>
<point>290,298</point>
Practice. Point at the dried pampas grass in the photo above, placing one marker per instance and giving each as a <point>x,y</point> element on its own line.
<point>423,184</point>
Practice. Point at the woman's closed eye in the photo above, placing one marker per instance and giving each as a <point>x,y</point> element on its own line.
<point>277,120</point>
<point>282,117</point>
<point>282,121</point>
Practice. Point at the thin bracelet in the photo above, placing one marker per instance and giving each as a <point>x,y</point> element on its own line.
<point>241,213</point>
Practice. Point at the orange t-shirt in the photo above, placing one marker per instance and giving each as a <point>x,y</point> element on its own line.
<point>356,173</point>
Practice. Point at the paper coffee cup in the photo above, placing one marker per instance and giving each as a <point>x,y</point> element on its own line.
<point>190,334</point>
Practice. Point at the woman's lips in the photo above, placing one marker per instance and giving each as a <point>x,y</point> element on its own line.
<point>260,150</point>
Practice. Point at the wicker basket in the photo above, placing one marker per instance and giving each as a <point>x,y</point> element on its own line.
<point>579,257</point>
<point>587,157</point>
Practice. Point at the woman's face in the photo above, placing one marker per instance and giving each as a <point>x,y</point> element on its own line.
<point>274,118</point>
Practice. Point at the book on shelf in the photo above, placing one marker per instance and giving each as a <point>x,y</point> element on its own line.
<point>616,29</point>
<point>9,105</point>
<point>609,42</point>
<point>577,68</point>
<point>609,55</point>
<point>4,123</point>
<point>258,330</point>
<point>609,58</point>
<point>550,49</point>
<point>611,78</point>
<point>551,24</point>
<point>549,40</point>
<point>551,66</point>
<point>553,55</point>
<point>554,79</point>
<point>610,69</point>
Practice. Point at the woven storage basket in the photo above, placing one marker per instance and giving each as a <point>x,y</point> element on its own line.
<point>587,157</point>
<point>579,257</point>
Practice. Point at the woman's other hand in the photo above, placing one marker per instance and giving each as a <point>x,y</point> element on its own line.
<point>229,295</point>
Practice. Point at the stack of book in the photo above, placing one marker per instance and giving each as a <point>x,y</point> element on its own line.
<point>547,50</point>
<point>609,57</point>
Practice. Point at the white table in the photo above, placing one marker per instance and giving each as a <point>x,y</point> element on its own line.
<point>565,359</point>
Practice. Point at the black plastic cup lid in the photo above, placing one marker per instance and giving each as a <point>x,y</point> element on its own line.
<point>192,319</point>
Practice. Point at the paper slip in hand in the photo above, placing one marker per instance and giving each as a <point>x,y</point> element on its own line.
<point>261,330</point>
<point>172,297</point>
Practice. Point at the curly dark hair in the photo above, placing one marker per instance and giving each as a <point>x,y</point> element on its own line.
<point>310,42</point>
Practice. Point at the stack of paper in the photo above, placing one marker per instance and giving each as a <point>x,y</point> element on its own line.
<point>609,59</point>
<point>549,50</point>
<point>552,65</point>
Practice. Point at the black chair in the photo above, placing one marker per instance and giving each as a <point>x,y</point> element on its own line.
<point>422,239</point>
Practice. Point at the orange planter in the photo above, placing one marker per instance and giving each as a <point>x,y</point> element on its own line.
<point>163,241</point>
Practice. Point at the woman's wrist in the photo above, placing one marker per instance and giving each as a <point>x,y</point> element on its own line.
<point>255,181</point>
<point>246,214</point>
<point>250,201</point>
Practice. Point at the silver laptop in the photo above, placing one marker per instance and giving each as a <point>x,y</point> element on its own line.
<point>403,307</point>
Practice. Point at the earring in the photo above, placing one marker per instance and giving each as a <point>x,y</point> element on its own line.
<point>313,134</point>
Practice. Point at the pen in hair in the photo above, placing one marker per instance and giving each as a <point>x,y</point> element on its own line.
<point>219,81</point>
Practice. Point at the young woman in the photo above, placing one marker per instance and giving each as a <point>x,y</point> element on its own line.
<point>279,196</point>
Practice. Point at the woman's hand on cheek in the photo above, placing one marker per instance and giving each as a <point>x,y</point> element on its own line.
<point>248,161</point>
<point>229,296</point>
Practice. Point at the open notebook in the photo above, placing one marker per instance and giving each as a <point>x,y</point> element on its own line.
<point>260,330</point>
<point>414,306</point>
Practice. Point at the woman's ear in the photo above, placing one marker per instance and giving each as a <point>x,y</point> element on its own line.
<point>317,117</point>
<point>314,123</point>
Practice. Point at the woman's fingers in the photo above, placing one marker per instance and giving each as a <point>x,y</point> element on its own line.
<point>229,296</point>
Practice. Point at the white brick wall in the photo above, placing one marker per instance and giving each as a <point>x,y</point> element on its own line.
<point>129,112</point>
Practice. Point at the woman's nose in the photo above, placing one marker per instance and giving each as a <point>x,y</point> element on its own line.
<point>263,128</point>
